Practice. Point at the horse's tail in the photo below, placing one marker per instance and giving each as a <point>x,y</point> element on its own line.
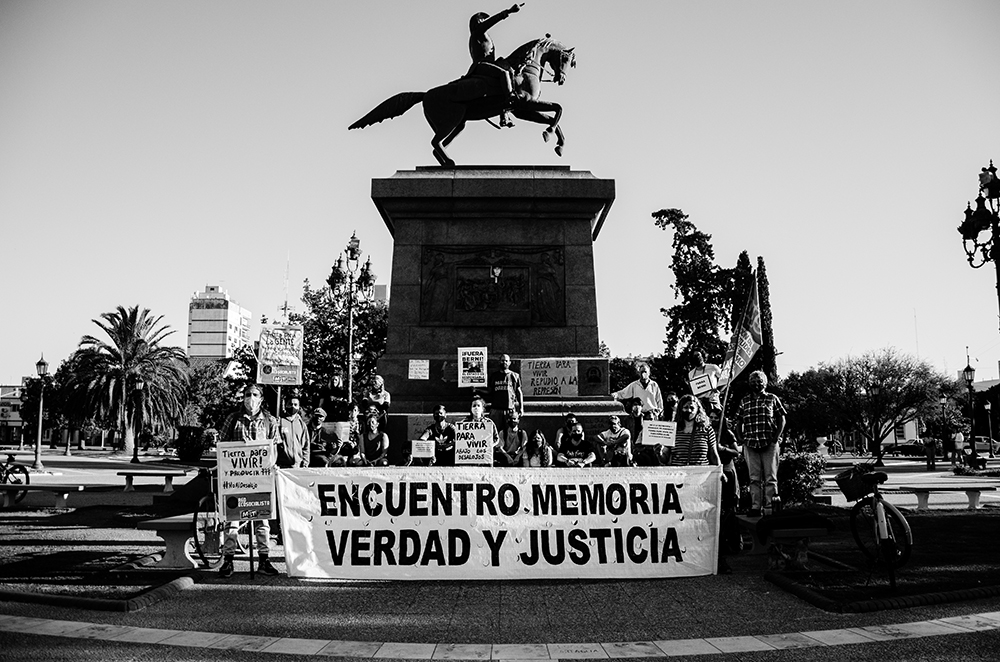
<point>391,107</point>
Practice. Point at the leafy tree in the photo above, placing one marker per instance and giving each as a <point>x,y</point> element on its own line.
<point>324,353</point>
<point>702,287</point>
<point>766,355</point>
<point>869,395</point>
<point>105,373</point>
<point>33,388</point>
<point>210,396</point>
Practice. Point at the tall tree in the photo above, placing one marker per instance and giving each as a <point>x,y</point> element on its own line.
<point>742,274</point>
<point>702,287</point>
<point>324,351</point>
<point>106,373</point>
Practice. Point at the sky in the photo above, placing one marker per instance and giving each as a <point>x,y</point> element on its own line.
<point>148,149</point>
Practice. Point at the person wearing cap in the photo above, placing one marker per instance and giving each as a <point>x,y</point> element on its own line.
<point>325,447</point>
<point>251,423</point>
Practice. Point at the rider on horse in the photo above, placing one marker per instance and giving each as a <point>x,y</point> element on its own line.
<point>484,62</point>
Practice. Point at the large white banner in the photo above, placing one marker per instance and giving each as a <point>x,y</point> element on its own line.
<point>478,523</point>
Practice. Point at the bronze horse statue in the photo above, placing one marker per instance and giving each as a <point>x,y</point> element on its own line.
<point>484,94</point>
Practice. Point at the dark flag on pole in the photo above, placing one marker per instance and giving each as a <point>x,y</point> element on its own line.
<point>746,338</point>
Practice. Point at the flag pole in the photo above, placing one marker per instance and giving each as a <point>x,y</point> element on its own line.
<point>732,344</point>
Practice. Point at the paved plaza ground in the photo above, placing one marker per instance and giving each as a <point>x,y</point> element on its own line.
<point>738,616</point>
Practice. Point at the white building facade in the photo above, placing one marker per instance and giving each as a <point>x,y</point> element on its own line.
<point>217,325</point>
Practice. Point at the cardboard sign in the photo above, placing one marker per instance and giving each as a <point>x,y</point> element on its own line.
<point>419,369</point>
<point>246,479</point>
<point>704,384</point>
<point>462,523</point>
<point>471,367</point>
<point>550,377</point>
<point>474,442</point>
<point>663,433</point>
<point>422,448</point>
<point>279,356</point>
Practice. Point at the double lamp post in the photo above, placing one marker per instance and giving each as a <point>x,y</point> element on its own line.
<point>350,284</point>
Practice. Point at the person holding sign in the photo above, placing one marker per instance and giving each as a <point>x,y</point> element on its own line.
<point>704,379</point>
<point>647,391</point>
<point>505,393</point>
<point>476,437</point>
<point>576,451</point>
<point>442,433</point>
<point>250,423</point>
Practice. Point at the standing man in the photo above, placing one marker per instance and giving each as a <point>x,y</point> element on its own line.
<point>760,422</point>
<point>293,451</point>
<point>505,393</point>
<point>249,424</point>
<point>704,379</point>
<point>647,391</point>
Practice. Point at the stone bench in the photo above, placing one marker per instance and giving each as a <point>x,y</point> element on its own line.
<point>167,475</point>
<point>176,531</point>
<point>61,491</point>
<point>972,491</point>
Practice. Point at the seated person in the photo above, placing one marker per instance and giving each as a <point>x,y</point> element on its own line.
<point>374,447</point>
<point>563,432</point>
<point>443,434</point>
<point>537,453</point>
<point>576,451</point>
<point>510,446</point>
<point>378,398</point>
<point>324,447</point>
<point>614,445</point>
<point>643,456</point>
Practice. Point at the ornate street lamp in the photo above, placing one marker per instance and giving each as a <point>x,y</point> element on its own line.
<point>348,285</point>
<point>969,375</point>
<point>42,367</point>
<point>984,218</point>
<point>135,441</point>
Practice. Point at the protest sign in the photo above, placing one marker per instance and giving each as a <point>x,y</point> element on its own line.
<point>461,523</point>
<point>663,433</point>
<point>419,369</point>
<point>423,448</point>
<point>246,479</point>
<point>474,442</point>
<point>704,384</point>
<point>279,356</point>
<point>550,377</point>
<point>472,367</point>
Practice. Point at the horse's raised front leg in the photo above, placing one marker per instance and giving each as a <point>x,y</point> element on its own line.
<point>535,111</point>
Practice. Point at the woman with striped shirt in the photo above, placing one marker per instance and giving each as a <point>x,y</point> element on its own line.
<point>695,440</point>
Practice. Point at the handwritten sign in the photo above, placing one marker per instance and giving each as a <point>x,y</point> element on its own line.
<point>246,479</point>
<point>471,367</point>
<point>419,369</point>
<point>662,433</point>
<point>704,384</point>
<point>550,377</point>
<point>474,442</point>
<point>280,355</point>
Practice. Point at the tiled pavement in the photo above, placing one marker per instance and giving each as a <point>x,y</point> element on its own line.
<point>520,652</point>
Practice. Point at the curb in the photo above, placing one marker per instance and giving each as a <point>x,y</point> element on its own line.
<point>137,603</point>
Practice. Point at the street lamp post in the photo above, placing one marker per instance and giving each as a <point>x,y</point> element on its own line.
<point>135,441</point>
<point>989,425</point>
<point>944,442</point>
<point>874,390</point>
<point>42,367</point>
<point>348,283</point>
<point>969,375</point>
<point>984,218</point>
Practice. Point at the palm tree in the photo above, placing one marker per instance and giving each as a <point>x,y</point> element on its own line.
<point>133,379</point>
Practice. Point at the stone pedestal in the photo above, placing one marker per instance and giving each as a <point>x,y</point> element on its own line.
<point>495,257</point>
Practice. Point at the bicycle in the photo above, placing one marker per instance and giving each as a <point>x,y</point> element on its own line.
<point>836,449</point>
<point>207,543</point>
<point>859,451</point>
<point>14,474</point>
<point>881,532</point>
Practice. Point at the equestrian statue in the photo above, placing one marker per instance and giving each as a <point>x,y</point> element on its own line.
<point>493,87</point>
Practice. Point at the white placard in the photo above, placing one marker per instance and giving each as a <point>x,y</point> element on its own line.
<point>550,377</point>
<point>704,384</point>
<point>471,367</point>
<point>662,433</point>
<point>246,479</point>
<point>419,369</point>
<point>474,442</point>
<point>461,523</point>
<point>422,448</point>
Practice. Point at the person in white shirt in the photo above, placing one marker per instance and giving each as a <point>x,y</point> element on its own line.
<point>647,391</point>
